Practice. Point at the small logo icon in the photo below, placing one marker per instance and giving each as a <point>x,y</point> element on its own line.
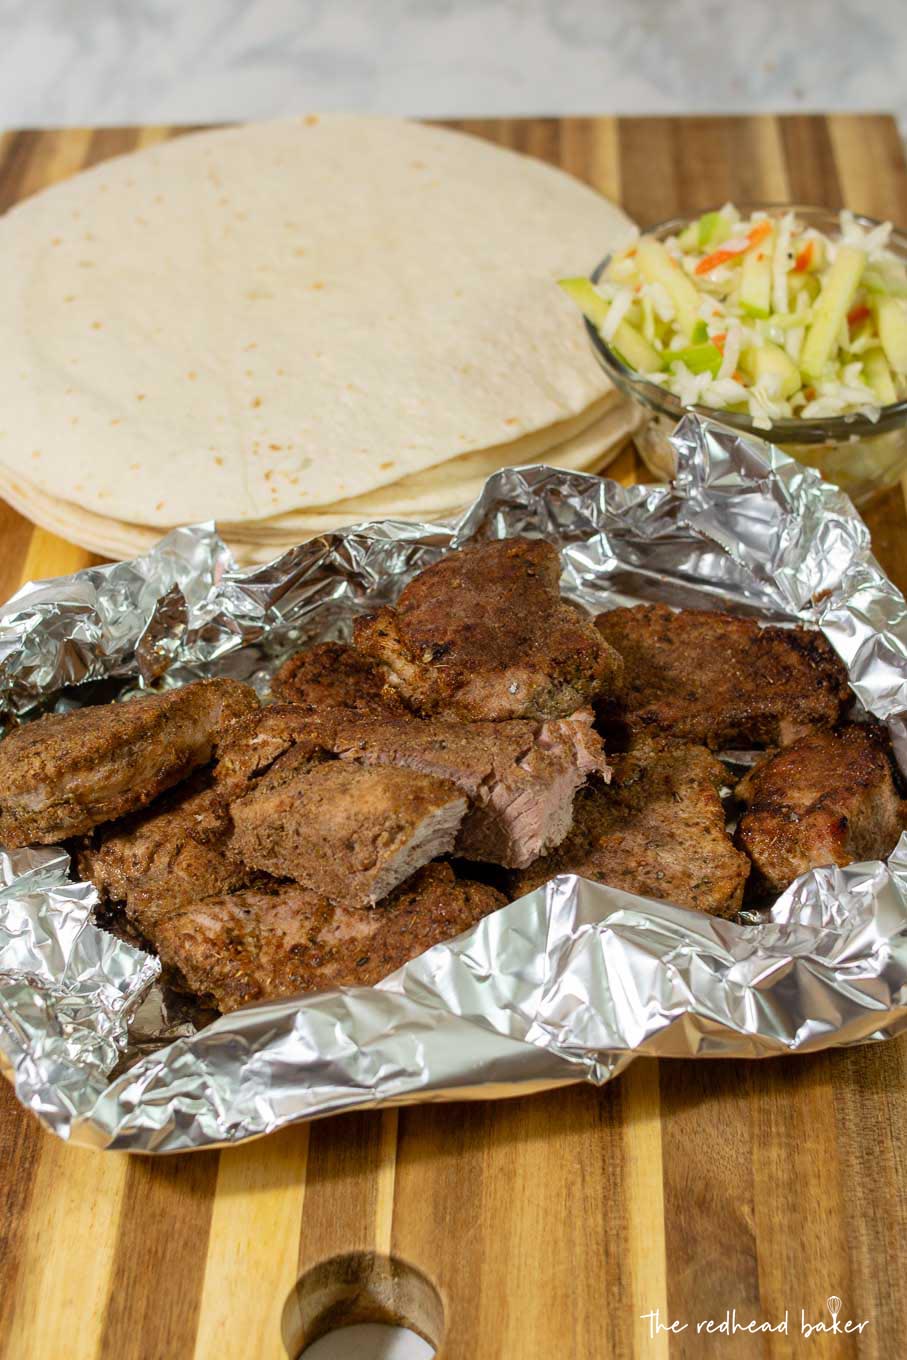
<point>833,1304</point>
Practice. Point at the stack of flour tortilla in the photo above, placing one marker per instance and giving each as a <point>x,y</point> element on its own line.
<point>291,327</point>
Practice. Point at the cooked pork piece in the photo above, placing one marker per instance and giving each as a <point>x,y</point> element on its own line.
<point>700,676</point>
<point>520,777</point>
<point>827,799</point>
<point>255,742</point>
<point>268,942</point>
<point>659,832</point>
<point>182,842</point>
<point>484,634</point>
<point>332,676</point>
<point>349,832</point>
<point>66,773</point>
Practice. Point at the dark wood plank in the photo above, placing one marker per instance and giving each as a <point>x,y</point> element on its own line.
<point>159,1265</point>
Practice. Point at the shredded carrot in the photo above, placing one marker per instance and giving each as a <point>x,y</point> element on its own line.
<point>717,257</point>
<point>809,393</point>
<point>738,376</point>
<point>719,339</point>
<point>630,253</point>
<point>857,314</point>
<point>804,258</point>
<point>759,232</point>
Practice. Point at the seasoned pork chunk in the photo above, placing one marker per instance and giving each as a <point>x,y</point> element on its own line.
<point>827,799</point>
<point>724,682</point>
<point>183,842</point>
<point>520,777</point>
<point>659,832</point>
<point>348,832</point>
<point>268,942</point>
<point>253,744</point>
<point>333,677</point>
<point>66,773</point>
<point>484,634</point>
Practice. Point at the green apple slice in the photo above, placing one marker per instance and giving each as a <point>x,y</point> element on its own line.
<point>830,311</point>
<point>656,266</point>
<point>631,347</point>
<point>705,358</point>
<point>762,361</point>
<point>756,284</point>
<point>878,375</point>
<point>891,319</point>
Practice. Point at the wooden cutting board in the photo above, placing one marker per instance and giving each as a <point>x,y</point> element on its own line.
<point>536,1229</point>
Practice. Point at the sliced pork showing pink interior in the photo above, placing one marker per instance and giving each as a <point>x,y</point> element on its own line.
<point>520,777</point>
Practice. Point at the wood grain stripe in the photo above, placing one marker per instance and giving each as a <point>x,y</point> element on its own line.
<point>870,1118</point>
<point>68,1249</point>
<point>801,1226</point>
<point>20,1142</point>
<point>644,1196</point>
<point>811,169</point>
<point>251,1264</point>
<point>591,151</point>
<point>162,1240</point>
<point>18,149</point>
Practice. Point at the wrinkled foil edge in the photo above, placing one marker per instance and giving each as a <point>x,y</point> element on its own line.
<point>568,984</point>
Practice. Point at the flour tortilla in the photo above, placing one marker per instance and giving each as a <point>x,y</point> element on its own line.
<point>437,492</point>
<point>591,450</point>
<point>241,323</point>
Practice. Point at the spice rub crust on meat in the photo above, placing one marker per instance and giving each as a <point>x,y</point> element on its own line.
<point>183,843</point>
<point>279,939</point>
<point>349,832</point>
<point>332,676</point>
<point>483,634</point>
<point>828,798</point>
<point>711,678</point>
<point>66,773</point>
<point>658,831</point>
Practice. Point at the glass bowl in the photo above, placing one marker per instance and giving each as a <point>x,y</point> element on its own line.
<point>862,456</point>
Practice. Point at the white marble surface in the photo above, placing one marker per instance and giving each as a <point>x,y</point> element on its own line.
<point>116,61</point>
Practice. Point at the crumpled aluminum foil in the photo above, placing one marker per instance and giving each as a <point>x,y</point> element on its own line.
<point>566,985</point>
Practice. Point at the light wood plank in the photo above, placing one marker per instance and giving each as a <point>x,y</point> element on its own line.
<point>251,1265</point>
<point>644,1191</point>
<point>67,1254</point>
<point>49,556</point>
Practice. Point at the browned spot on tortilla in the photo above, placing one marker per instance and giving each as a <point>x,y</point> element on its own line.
<point>311,119</point>
<point>276,447</point>
<point>299,251</point>
<point>256,401</point>
<point>511,420</point>
<point>192,376</point>
<point>219,461</point>
<point>36,453</point>
<point>140,396</point>
<point>382,467</point>
<point>57,241</point>
<point>70,297</point>
<point>316,287</point>
<point>117,420</point>
<point>97,325</point>
<point>159,506</point>
<point>135,467</point>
